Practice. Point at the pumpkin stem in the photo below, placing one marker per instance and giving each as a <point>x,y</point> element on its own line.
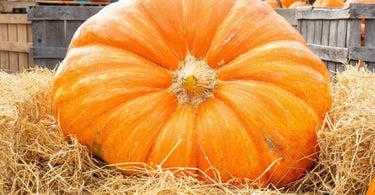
<point>189,83</point>
<point>194,81</point>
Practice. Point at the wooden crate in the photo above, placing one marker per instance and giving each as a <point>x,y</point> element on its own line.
<point>15,6</point>
<point>334,34</point>
<point>53,26</point>
<point>15,41</point>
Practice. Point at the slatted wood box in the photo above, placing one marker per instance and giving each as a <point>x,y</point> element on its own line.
<point>15,36</point>
<point>53,26</point>
<point>334,34</point>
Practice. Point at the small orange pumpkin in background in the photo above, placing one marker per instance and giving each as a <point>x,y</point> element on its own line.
<point>225,85</point>
<point>287,3</point>
<point>328,3</point>
<point>299,4</point>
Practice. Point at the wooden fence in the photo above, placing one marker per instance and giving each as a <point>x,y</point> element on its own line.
<point>53,27</point>
<point>15,40</point>
<point>334,34</point>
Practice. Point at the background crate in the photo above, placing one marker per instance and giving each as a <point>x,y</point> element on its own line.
<point>334,34</point>
<point>15,6</point>
<point>15,41</point>
<point>53,27</point>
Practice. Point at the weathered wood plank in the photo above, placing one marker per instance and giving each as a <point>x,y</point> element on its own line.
<point>354,33</point>
<point>3,32</point>
<point>325,32</point>
<point>30,40</point>
<point>50,63</point>
<point>23,61</point>
<point>4,60</point>
<point>362,10</point>
<point>15,46</point>
<point>22,33</point>
<point>318,32</point>
<point>14,19</point>
<point>339,67</point>
<point>321,13</point>
<point>341,33</point>
<point>30,62</point>
<point>329,53</point>
<point>39,33</point>
<point>288,14</point>
<point>55,34</point>
<point>22,38</point>
<point>362,53</point>
<point>304,29</point>
<point>370,32</point>
<point>48,52</point>
<point>13,56</point>
<point>331,66</point>
<point>29,33</point>
<point>299,26</point>
<point>62,13</point>
<point>4,55</point>
<point>310,26</point>
<point>332,40</point>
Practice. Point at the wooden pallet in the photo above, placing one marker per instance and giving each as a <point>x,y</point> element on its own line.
<point>15,41</point>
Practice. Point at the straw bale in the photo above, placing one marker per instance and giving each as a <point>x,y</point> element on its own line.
<point>37,158</point>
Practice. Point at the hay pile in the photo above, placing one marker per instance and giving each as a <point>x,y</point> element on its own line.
<point>37,158</point>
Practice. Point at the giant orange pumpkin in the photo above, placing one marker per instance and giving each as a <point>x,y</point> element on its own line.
<point>226,86</point>
<point>371,188</point>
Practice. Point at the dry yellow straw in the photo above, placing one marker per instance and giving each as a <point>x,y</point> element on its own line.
<point>35,157</point>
